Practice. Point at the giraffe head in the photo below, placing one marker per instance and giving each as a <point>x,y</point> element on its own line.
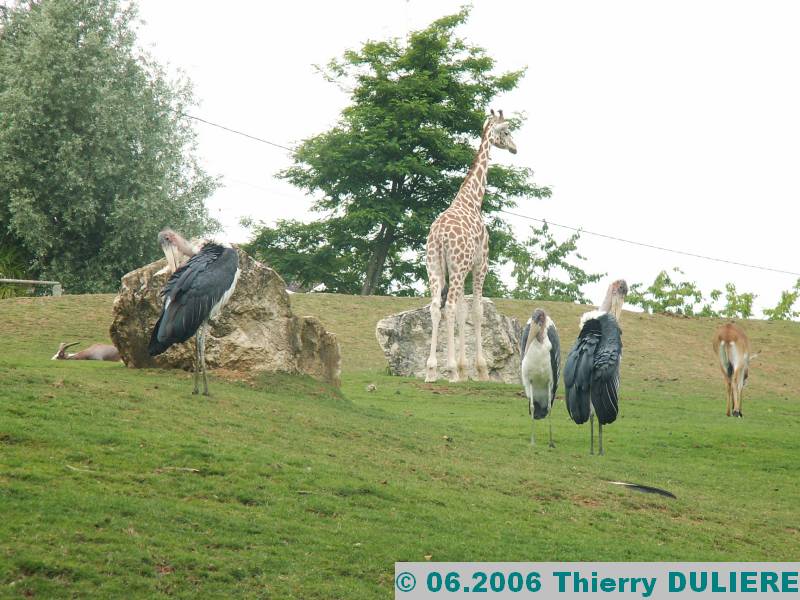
<point>500,133</point>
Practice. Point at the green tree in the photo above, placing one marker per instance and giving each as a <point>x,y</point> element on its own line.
<point>540,263</point>
<point>667,295</point>
<point>13,263</point>
<point>394,161</point>
<point>309,255</point>
<point>95,155</point>
<point>737,305</point>
<point>783,311</point>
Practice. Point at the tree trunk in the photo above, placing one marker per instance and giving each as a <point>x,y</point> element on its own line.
<point>383,242</point>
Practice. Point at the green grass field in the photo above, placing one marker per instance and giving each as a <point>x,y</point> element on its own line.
<point>119,483</point>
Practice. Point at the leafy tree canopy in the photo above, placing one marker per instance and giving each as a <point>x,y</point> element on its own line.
<point>543,269</point>
<point>737,305</point>
<point>393,162</point>
<point>665,295</point>
<point>783,311</point>
<point>668,295</point>
<point>95,155</point>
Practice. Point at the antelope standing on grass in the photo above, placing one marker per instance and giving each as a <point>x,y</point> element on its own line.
<point>733,350</point>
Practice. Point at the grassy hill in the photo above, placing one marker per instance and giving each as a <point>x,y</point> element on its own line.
<point>119,483</point>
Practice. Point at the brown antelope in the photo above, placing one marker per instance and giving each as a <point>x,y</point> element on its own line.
<point>93,352</point>
<point>733,350</point>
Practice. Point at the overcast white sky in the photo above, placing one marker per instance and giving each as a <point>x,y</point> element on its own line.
<point>671,123</point>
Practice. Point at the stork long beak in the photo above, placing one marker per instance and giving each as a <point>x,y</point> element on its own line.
<point>171,255</point>
<point>615,298</point>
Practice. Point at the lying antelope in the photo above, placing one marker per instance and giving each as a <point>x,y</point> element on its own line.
<point>733,350</point>
<point>93,352</point>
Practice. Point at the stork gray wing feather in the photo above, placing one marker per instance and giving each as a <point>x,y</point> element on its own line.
<point>191,293</point>
<point>605,379</point>
<point>555,358</point>
<point>578,372</point>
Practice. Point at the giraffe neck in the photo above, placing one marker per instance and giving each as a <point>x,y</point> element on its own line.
<point>474,184</point>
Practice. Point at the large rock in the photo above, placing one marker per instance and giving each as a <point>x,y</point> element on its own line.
<point>256,331</point>
<point>406,341</point>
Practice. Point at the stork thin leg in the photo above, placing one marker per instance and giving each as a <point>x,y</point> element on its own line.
<point>203,359</point>
<point>196,364</point>
<point>600,429</point>
<point>591,434</point>
<point>550,421</point>
<point>533,440</point>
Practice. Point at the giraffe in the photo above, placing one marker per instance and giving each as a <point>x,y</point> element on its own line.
<point>458,243</point>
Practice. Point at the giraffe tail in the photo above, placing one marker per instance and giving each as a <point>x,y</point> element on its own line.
<point>446,286</point>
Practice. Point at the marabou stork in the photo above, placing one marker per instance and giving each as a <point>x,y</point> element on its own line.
<point>540,351</point>
<point>194,293</point>
<point>591,373</point>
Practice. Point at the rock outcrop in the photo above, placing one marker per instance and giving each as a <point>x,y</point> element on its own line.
<point>406,340</point>
<point>256,331</point>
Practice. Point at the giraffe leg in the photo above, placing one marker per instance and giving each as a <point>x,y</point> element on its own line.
<point>450,317</point>
<point>437,280</point>
<point>478,276</point>
<point>481,369</point>
<point>432,366</point>
<point>462,334</point>
<point>454,296</point>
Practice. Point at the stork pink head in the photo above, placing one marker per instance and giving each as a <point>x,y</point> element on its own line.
<point>539,323</point>
<point>174,245</point>
<point>616,298</point>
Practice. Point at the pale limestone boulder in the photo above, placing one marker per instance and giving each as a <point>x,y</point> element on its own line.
<point>405,339</point>
<point>255,331</point>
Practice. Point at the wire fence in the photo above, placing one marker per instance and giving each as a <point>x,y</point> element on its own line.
<point>520,216</point>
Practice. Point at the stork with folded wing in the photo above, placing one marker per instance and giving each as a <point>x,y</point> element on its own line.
<point>591,373</point>
<point>540,352</point>
<point>195,293</point>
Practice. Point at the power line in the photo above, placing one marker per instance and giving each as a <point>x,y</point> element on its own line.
<point>652,246</point>
<point>242,133</point>
<point>594,233</point>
